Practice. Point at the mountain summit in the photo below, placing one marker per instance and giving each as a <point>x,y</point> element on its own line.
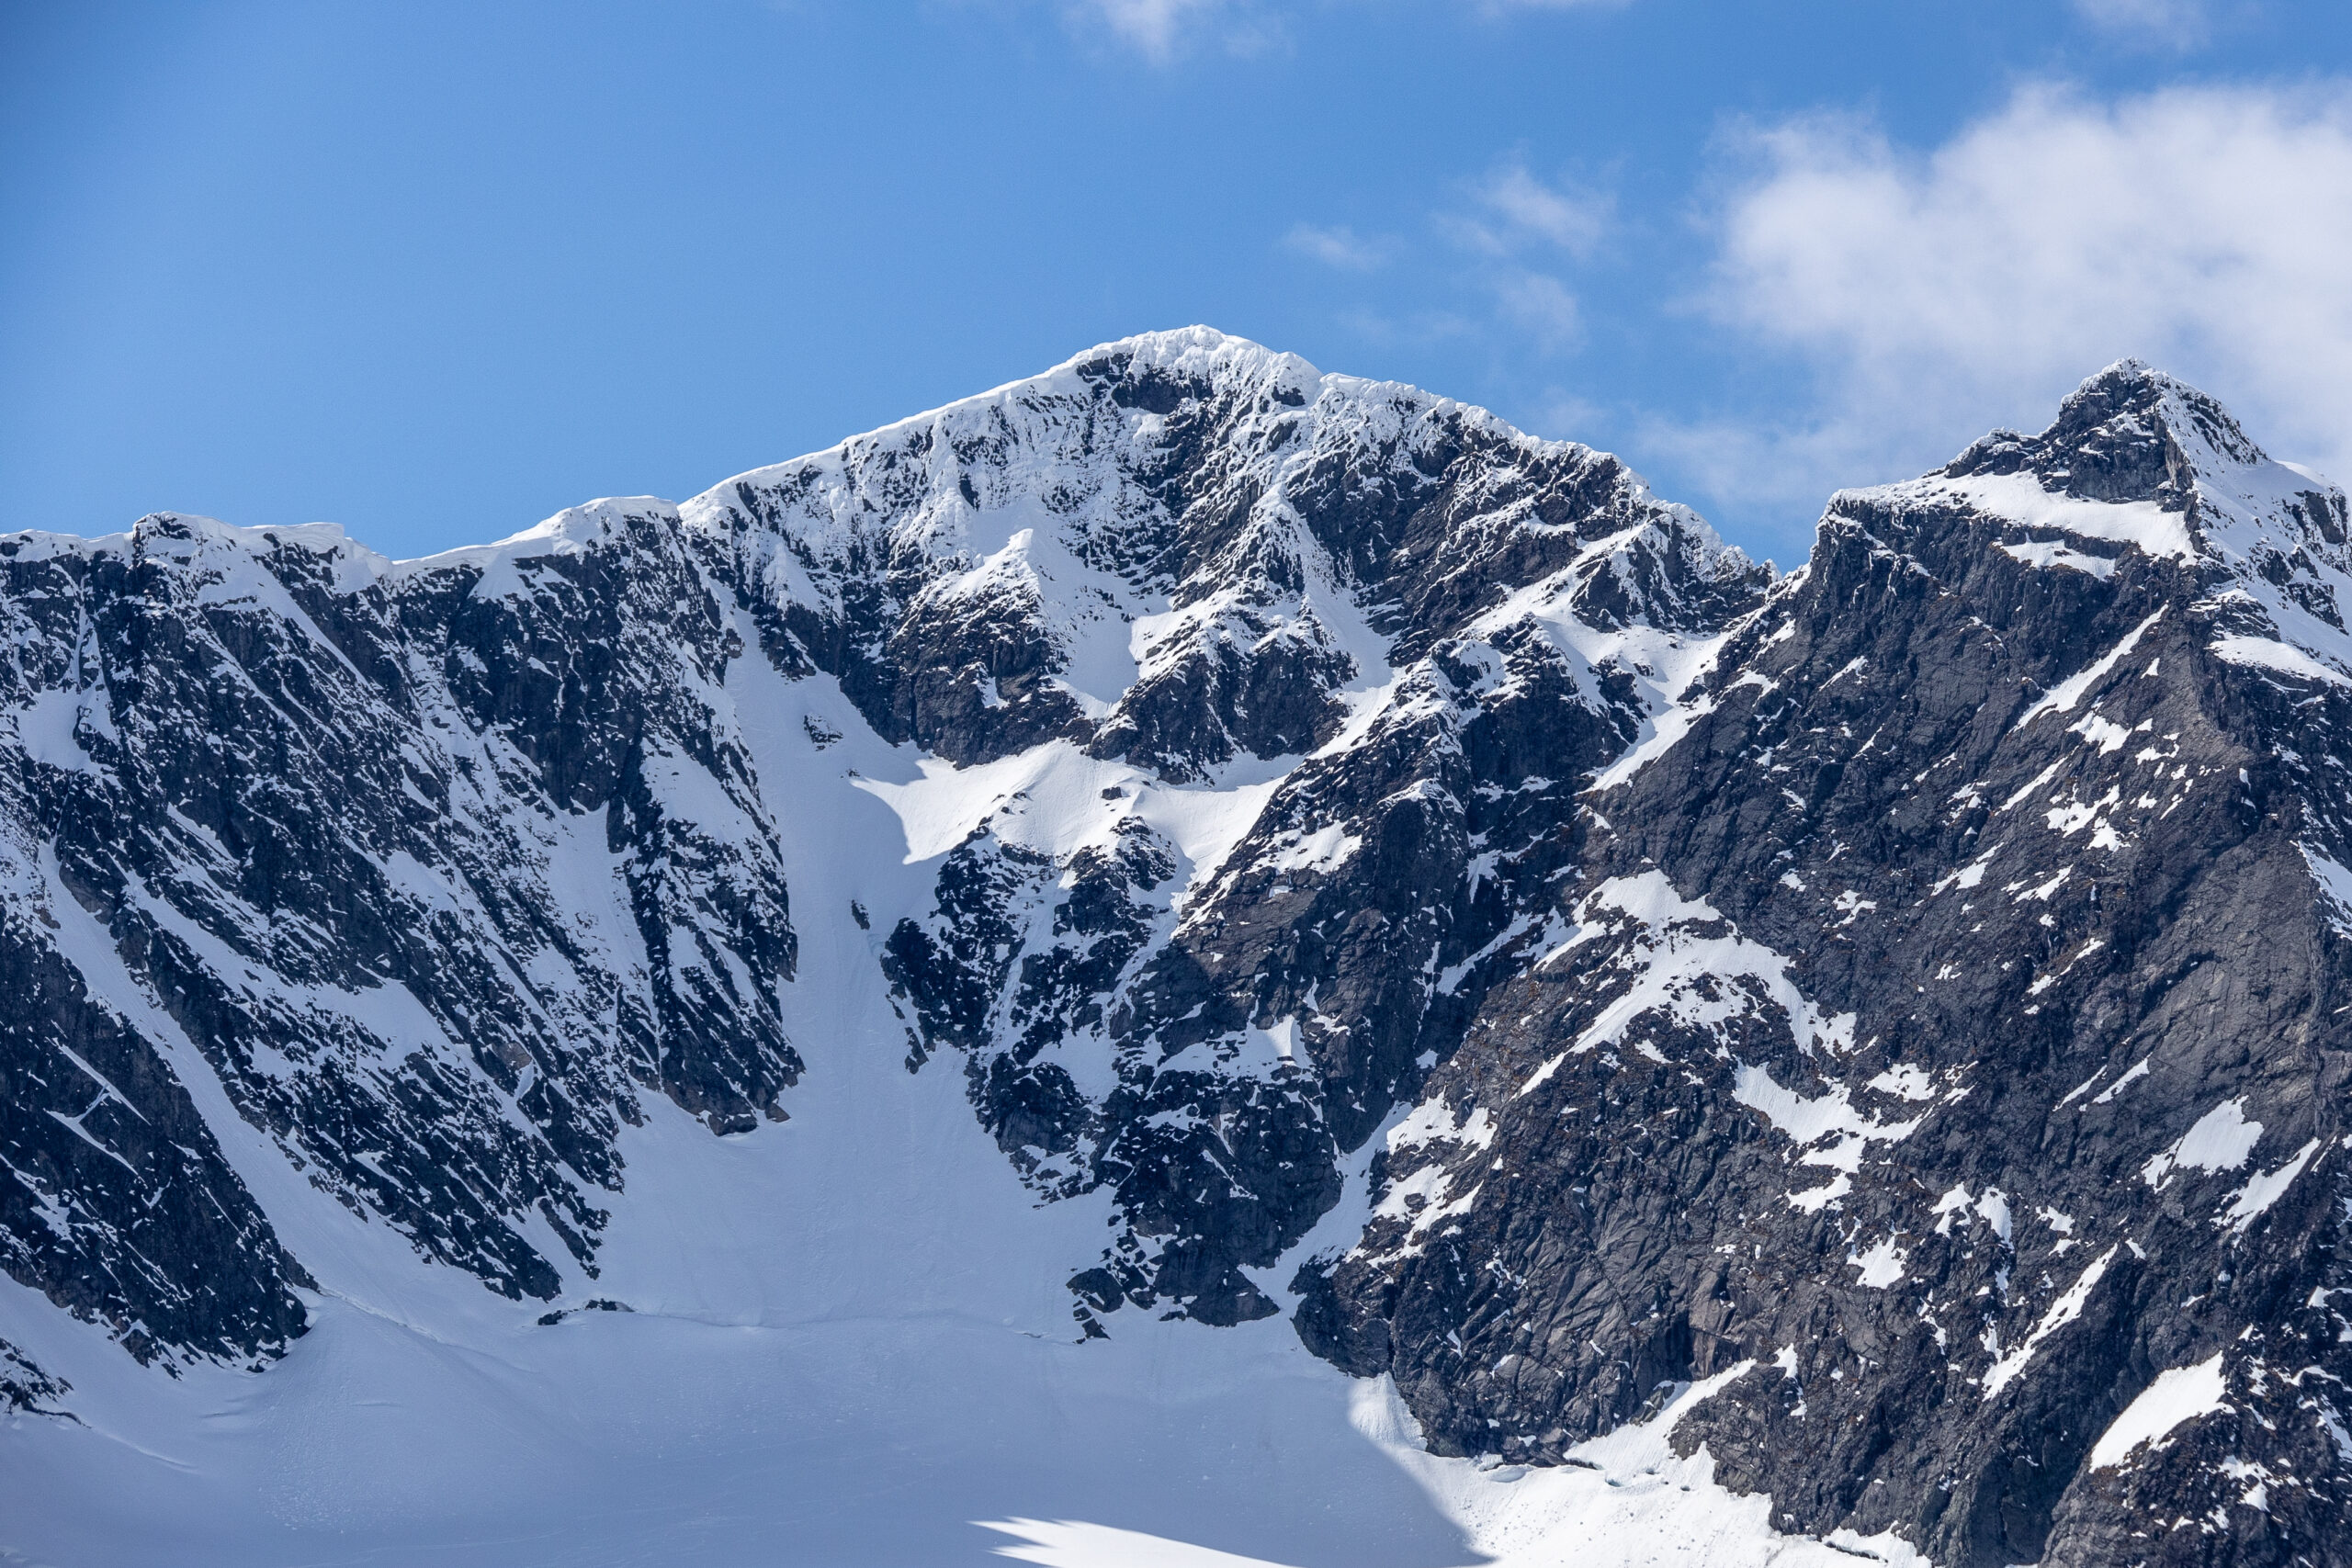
<point>1185,857</point>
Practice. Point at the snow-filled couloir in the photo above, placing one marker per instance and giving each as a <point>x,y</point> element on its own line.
<point>1184,956</point>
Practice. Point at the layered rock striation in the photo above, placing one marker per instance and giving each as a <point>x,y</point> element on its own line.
<point>1419,880</point>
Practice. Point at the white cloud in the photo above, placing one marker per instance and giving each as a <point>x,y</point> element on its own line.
<point>2203,229</point>
<point>1505,7</point>
<point>1542,306</point>
<point>1517,210</point>
<point>1340,246</point>
<point>1521,225</point>
<point>1162,29</point>
<point>1156,27</point>
<point>2181,23</point>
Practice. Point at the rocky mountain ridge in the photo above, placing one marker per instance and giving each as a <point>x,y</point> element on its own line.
<point>1426,883</point>
<point>1994,876</point>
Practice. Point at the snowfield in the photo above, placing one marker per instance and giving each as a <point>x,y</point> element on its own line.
<point>1190,965</point>
<point>844,1339</point>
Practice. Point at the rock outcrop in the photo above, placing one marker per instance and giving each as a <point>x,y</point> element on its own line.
<point>1427,883</point>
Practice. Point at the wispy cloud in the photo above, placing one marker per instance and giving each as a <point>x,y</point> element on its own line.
<point>1515,208</point>
<point>2179,24</point>
<point>1542,306</point>
<point>1934,294</point>
<point>1163,31</point>
<point>1523,227</point>
<point>1518,230</point>
<point>1340,246</point>
<point>1506,7</point>
<point>1159,29</point>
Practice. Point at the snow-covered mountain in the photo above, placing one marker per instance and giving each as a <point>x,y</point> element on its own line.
<point>958,961</point>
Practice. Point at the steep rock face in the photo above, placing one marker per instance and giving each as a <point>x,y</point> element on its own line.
<point>1184,577</point>
<point>1161,551</point>
<point>432,867</point>
<point>1946,1029</point>
<point>1417,874</point>
<point>24,1386</point>
<point>120,1204</point>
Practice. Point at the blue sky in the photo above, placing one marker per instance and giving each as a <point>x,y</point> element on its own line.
<point>434,271</point>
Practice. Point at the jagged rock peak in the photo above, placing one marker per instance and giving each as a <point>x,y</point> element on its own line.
<point>1392,869</point>
<point>1152,372</point>
<point>1175,548</point>
<point>1155,374</point>
<point>2136,457</point>
<point>2129,432</point>
<point>2039,748</point>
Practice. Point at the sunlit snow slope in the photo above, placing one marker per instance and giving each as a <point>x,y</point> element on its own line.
<point>1189,962</point>
<point>847,1342</point>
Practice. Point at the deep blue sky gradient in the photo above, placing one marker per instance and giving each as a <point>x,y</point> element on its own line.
<point>434,271</point>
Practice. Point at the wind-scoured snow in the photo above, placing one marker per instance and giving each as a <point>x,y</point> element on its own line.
<point>2265,1189</point>
<point>2021,497</point>
<point>1183,769</point>
<point>1682,964</point>
<point>1628,1498</point>
<point>2063,697</point>
<point>2062,1314</point>
<point>2269,653</point>
<point>842,1338</point>
<point>2222,1140</point>
<point>2179,1395</point>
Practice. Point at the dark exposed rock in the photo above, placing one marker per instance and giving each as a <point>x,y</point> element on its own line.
<point>1282,547</point>
<point>1892,998</point>
<point>23,1385</point>
<point>404,856</point>
<point>1905,992</point>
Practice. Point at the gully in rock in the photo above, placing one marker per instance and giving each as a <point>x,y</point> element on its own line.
<point>1878,1022</point>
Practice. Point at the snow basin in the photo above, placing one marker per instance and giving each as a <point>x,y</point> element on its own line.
<point>846,1339</point>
